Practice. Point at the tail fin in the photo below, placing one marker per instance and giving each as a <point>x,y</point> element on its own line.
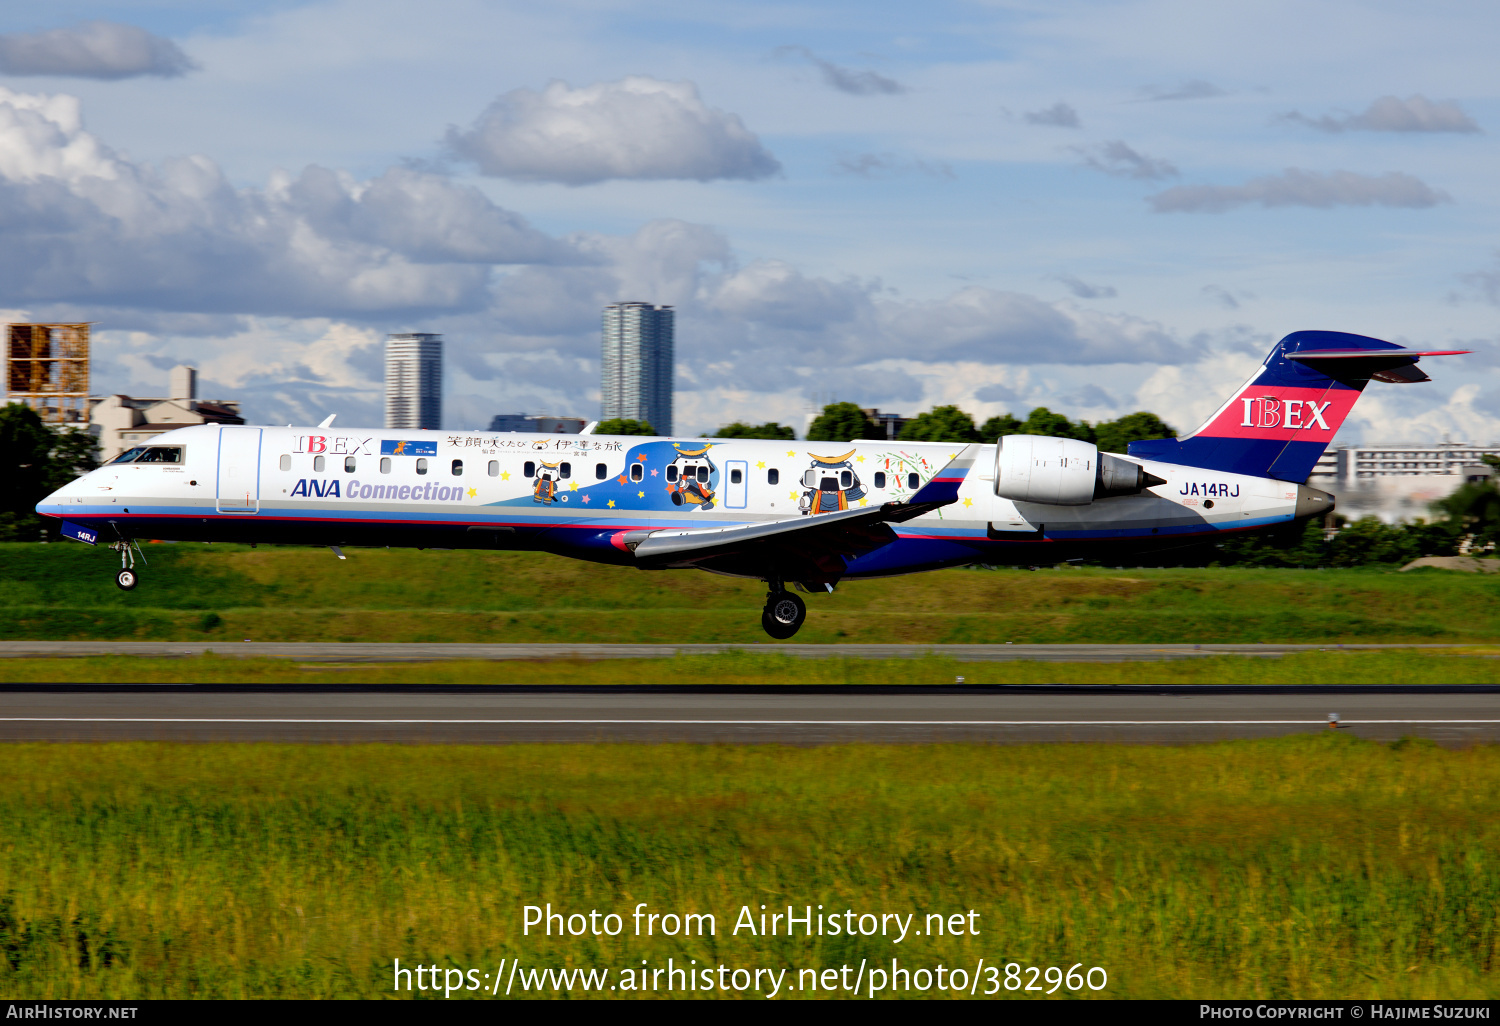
<point>1281,420</point>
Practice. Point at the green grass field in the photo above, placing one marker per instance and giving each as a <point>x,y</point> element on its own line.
<point>1305,867</point>
<point>1466,666</point>
<point>230,593</point>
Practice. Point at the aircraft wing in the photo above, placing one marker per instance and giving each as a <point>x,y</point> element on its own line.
<point>810,549</point>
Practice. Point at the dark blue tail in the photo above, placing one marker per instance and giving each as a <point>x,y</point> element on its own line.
<point>1282,419</point>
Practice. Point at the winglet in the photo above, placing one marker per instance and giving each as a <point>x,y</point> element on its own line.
<point>942,489</point>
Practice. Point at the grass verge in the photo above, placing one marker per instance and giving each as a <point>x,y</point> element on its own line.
<point>229,593</point>
<point>1303,867</point>
<point>755,668</point>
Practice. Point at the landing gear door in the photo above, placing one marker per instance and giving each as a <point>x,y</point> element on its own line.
<point>736,484</point>
<point>239,470</point>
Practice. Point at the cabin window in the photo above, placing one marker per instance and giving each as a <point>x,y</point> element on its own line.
<point>286,462</point>
<point>565,470</point>
<point>318,464</point>
<point>494,468</point>
<point>671,473</point>
<point>385,465</point>
<point>913,481</point>
<point>529,470</point>
<point>735,477</point>
<point>421,465</point>
<point>703,474</point>
<point>458,468</point>
<point>348,464</point>
<point>846,478</point>
<point>773,476</point>
<point>638,472</point>
<point>600,471</point>
<point>879,479</point>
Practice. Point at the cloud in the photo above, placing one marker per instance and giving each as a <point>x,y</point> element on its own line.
<point>87,226</point>
<point>1298,188</point>
<point>1222,296</point>
<point>880,165</point>
<point>771,292</point>
<point>1059,115</point>
<point>1389,114</point>
<point>996,393</point>
<point>1083,290</point>
<point>94,49</point>
<point>1193,89</point>
<point>1122,161</point>
<point>636,128</point>
<point>847,80</point>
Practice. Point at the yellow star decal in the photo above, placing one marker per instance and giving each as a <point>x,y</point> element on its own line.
<point>859,459</point>
<point>968,502</point>
<point>953,455</point>
<point>761,465</point>
<point>640,495</point>
<point>473,492</point>
<point>791,452</point>
<point>793,495</point>
<point>573,487</point>
<point>611,503</point>
<point>864,502</point>
<point>505,475</point>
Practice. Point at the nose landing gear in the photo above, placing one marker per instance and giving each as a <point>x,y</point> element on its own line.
<point>783,614</point>
<point>127,578</point>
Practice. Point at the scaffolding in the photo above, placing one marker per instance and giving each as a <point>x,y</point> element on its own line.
<point>47,368</point>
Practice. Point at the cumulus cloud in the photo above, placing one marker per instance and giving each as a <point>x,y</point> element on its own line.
<point>95,49</point>
<point>1295,187</point>
<point>846,80</point>
<point>1083,290</point>
<point>84,224</point>
<point>1192,89</point>
<point>636,128</point>
<point>1059,115</point>
<point>774,293</point>
<point>1122,161</point>
<point>880,165</point>
<point>996,393</point>
<point>1222,296</point>
<point>1390,114</point>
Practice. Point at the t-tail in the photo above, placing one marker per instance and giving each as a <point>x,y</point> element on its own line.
<point>1280,422</point>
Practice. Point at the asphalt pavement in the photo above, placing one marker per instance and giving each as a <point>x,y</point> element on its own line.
<point>788,716</point>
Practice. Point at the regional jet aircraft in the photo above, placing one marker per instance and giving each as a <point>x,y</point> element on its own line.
<point>804,514</point>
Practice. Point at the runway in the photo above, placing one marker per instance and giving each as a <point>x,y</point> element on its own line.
<point>785,716</point>
<point>431,652</point>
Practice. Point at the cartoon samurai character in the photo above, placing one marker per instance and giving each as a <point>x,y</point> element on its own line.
<point>691,477</point>
<point>545,488</point>
<point>831,484</point>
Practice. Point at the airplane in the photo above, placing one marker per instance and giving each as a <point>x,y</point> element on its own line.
<point>801,514</point>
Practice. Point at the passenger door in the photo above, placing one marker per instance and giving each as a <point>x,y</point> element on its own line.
<point>239,470</point>
<point>736,484</point>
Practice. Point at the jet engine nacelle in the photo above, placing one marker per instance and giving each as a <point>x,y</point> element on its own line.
<point>1063,471</point>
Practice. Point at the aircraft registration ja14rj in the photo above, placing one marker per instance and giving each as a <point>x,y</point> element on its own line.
<point>801,514</point>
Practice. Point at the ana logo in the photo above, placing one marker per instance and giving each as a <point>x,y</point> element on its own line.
<point>1269,412</point>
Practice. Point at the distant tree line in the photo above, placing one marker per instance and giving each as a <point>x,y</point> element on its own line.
<point>846,422</point>
<point>35,461</point>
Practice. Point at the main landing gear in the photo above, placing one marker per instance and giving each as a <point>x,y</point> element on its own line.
<point>783,614</point>
<point>127,578</point>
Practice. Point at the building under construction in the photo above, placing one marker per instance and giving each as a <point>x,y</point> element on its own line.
<point>47,368</point>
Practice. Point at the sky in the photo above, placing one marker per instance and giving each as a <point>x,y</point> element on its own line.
<point>1097,207</point>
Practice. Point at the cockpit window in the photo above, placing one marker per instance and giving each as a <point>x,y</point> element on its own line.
<point>150,454</point>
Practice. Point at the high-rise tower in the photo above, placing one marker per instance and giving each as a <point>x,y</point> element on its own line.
<point>638,364</point>
<point>414,381</point>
